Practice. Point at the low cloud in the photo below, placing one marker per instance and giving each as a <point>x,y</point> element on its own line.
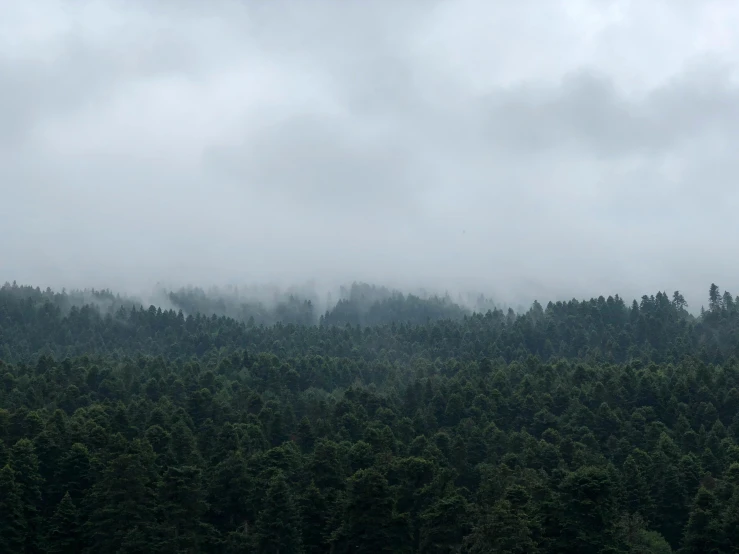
<point>529,150</point>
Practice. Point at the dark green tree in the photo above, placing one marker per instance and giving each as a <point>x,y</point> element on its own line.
<point>589,509</point>
<point>370,523</point>
<point>635,490</point>
<point>277,529</point>
<point>63,531</point>
<point>123,503</point>
<point>444,525</point>
<point>504,530</point>
<point>13,528</point>
<point>182,507</point>
<point>28,478</point>
<point>703,533</point>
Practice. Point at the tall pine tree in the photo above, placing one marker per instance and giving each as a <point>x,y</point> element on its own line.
<point>63,531</point>
<point>12,519</point>
<point>277,529</point>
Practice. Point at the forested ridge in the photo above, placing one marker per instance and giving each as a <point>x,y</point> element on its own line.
<point>391,424</point>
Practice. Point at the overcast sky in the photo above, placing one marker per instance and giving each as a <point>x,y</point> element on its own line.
<point>524,149</point>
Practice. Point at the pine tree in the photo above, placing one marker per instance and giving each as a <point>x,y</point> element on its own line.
<point>703,534</point>
<point>122,515</point>
<point>73,474</point>
<point>444,524</point>
<point>635,490</point>
<point>63,532</point>
<point>230,492</point>
<point>277,529</point>
<point>714,298</point>
<point>730,523</point>
<point>370,523</point>
<point>678,301</point>
<point>27,476</point>
<point>238,542</point>
<point>632,536</point>
<point>504,530</point>
<point>12,520</point>
<point>670,509</point>
<point>182,446</point>
<point>589,510</point>
<point>181,505</point>
<point>315,519</point>
<point>306,437</point>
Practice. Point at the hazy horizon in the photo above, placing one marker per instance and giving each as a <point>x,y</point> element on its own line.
<point>323,298</point>
<point>541,151</point>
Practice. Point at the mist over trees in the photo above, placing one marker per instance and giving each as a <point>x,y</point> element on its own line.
<point>392,423</point>
<point>357,304</point>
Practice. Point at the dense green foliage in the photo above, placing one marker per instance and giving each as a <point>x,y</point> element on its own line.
<point>592,426</point>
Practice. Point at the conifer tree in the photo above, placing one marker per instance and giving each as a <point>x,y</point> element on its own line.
<point>703,533</point>
<point>370,524</point>
<point>63,532</point>
<point>28,478</point>
<point>504,530</point>
<point>635,490</point>
<point>13,527</point>
<point>122,503</point>
<point>277,528</point>
<point>181,506</point>
<point>730,523</point>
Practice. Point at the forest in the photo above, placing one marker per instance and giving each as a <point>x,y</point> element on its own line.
<point>389,422</point>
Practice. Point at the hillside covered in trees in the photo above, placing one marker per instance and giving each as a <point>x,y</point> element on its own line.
<point>388,423</point>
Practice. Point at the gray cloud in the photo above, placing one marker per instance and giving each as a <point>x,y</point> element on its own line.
<point>559,149</point>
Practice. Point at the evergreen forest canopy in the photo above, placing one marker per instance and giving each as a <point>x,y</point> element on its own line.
<point>387,423</point>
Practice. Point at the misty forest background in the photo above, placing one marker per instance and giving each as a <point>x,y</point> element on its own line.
<point>381,422</point>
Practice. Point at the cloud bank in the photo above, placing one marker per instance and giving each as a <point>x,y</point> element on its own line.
<point>528,149</point>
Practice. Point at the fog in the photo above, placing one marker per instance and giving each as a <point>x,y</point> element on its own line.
<point>558,149</point>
